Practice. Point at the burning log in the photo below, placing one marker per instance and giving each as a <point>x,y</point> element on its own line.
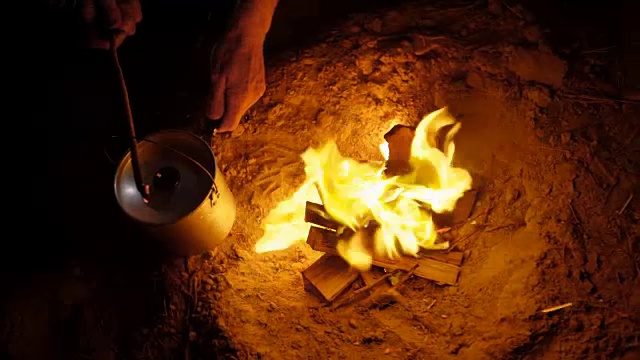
<point>317,215</point>
<point>326,240</point>
<point>329,276</point>
<point>371,275</point>
<point>430,168</point>
<point>362,292</point>
<point>399,139</point>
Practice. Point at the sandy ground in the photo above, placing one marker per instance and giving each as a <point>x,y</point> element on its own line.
<point>529,143</point>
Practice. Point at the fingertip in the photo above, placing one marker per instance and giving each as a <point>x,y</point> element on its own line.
<point>229,123</point>
<point>213,113</point>
<point>120,39</point>
<point>130,28</point>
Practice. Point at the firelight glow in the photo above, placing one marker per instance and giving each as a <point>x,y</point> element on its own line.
<point>354,193</point>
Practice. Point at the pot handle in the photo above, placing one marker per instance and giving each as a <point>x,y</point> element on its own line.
<point>115,148</point>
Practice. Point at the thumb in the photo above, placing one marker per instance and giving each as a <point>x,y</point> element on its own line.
<point>215,102</point>
<point>119,38</point>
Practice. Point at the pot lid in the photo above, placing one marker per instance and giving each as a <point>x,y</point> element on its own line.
<point>180,169</point>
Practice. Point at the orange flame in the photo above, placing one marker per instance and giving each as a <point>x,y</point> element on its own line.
<point>354,193</point>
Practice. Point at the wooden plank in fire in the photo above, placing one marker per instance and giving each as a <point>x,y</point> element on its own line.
<point>399,139</point>
<point>329,276</point>
<point>325,241</point>
<point>317,215</point>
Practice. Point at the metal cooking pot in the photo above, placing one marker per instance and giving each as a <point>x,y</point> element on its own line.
<point>191,208</point>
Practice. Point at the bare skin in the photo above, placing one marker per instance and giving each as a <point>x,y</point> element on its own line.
<point>237,75</point>
<point>104,16</point>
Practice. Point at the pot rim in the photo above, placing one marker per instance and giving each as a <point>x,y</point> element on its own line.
<point>128,205</point>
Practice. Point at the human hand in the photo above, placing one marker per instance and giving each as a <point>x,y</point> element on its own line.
<point>103,18</point>
<point>237,79</point>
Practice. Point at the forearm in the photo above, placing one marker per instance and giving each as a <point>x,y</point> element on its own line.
<point>253,17</point>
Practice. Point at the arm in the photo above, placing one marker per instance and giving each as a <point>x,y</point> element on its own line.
<point>237,76</point>
<point>252,18</point>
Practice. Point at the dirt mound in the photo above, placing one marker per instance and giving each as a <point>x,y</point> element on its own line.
<point>538,236</point>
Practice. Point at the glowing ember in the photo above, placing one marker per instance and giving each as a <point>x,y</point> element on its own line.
<point>354,193</point>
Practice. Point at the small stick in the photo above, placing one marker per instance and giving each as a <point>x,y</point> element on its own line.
<point>597,98</point>
<point>622,147</point>
<point>164,302</point>
<point>555,149</point>
<point>375,282</point>
<point>556,308</point>
<point>573,213</point>
<point>458,242</point>
<point>503,227</point>
<point>512,10</point>
<point>354,295</point>
<point>604,49</point>
<point>626,203</point>
<point>431,305</point>
<point>196,285</point>
<point>405,277</point>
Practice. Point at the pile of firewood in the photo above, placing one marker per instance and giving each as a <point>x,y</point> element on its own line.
<point>333,280</point>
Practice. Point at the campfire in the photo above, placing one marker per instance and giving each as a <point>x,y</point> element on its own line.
<point>377,221</point>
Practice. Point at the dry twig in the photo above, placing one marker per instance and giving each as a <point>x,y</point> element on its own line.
<point>555,149</point>
<point>405,277</point>
<point>462,240</point>
<point>581,97</point>
<point>356,294</point>
<point>512,10</point>
<point>575,216</point>
<point>500,227</point>
<point>627,142</point>
<point>600,50</point>
<point>556,308</point>
<point>626,203</point>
